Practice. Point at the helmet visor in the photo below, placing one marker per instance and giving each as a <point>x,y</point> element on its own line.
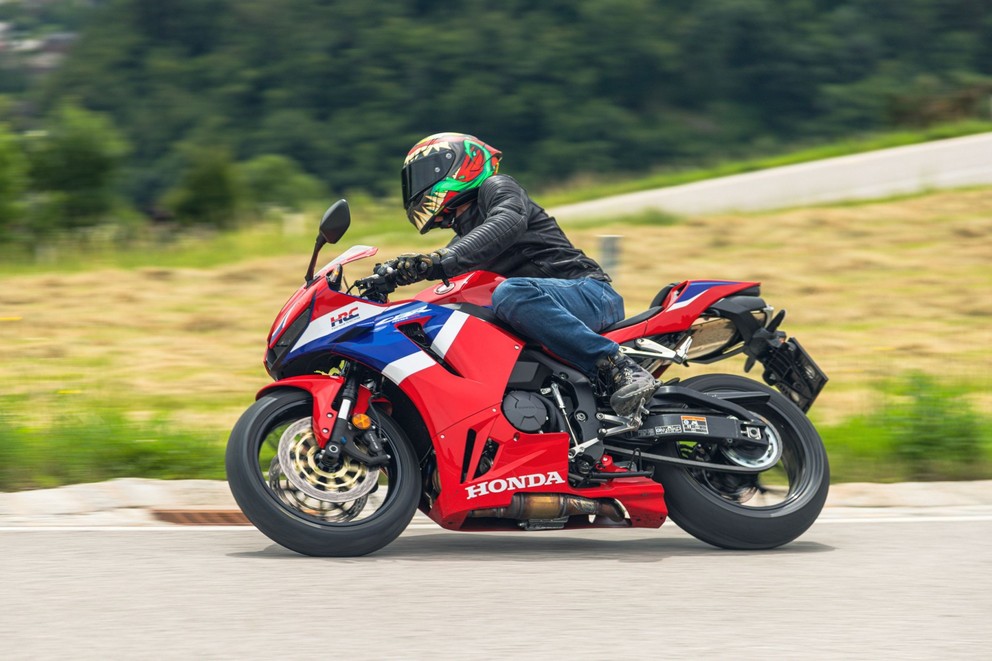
<point>423,173</point>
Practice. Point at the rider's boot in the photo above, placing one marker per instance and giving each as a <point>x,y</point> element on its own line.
<point>632,384</point>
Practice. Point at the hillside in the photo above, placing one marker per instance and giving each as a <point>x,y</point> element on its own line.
<point>564,88</point>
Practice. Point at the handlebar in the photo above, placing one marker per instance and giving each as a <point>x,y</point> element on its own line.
<point>380,284</point>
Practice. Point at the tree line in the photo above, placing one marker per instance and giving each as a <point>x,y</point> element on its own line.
<point>339,90</point>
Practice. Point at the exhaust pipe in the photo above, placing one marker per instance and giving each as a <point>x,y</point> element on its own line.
<point>528,506</point>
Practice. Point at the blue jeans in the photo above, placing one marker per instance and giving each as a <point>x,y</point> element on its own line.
<point>563,315</point>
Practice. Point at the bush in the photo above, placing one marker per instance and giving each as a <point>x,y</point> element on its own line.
<point>924,430</point>
<point>278,181</point>
<point>74,163</point>
<point>934,429</point>
<point>208,192</point>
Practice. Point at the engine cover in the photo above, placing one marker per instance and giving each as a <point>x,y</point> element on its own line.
<point>526,411</point>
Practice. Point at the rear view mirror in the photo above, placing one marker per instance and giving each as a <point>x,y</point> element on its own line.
<point>335,222</point>
<point>333,225</point>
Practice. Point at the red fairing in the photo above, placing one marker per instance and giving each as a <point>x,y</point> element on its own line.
<point>476,288</point>
<point>524,463</point>
<point>323,389</point>
<point>468,405</point>
<point>443,398</point>
<point>303,296</point>
<point>296,304</point>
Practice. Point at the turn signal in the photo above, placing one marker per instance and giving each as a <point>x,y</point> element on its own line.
<point>361,421</point>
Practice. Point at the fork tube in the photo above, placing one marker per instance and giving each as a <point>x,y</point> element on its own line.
<point>348,394</point>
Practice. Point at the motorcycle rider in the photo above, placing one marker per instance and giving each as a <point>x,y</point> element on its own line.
<point>554,294</point>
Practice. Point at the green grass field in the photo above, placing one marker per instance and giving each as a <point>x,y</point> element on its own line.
<point>138,363</point>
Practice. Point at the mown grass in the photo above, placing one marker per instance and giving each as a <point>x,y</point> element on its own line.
<point>172,353</point>
<point>591,189</point>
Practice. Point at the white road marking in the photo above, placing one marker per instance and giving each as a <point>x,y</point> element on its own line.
<point>176,527</point>
<point>429,525</point>
<point>909,519</point>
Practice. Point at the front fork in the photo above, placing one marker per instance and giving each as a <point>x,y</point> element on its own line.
<point>335,430</point>
<point>347,427</point>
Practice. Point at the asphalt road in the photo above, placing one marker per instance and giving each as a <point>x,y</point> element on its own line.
<point>953,163</point>
<point>892,584</point>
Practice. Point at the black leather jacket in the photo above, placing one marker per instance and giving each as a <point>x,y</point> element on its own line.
<point>506,232</point>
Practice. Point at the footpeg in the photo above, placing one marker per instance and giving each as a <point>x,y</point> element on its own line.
<point>623,424</point>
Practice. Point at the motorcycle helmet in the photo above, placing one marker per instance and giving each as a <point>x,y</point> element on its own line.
<point>442,172</point>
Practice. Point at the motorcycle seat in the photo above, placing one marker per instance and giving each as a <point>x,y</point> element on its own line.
<point>653,309</point>
<point>636,319</point>
<point>662,294</point>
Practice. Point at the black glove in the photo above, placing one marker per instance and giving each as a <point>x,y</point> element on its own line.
<point>413,267</point>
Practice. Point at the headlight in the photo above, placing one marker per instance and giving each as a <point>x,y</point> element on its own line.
<point>275,355</point>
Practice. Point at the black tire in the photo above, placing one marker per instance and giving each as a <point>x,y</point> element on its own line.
<point>294,529</point>
<point>699,507</point>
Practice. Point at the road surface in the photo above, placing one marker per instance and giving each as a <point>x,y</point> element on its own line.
<point>894,582</point>
<point>949,163</point>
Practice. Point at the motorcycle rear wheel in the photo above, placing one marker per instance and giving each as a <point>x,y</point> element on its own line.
<point>717,507</point>
<point>293,519</point>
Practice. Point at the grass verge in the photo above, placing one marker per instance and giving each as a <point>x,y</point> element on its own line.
<point>923,430</point>
<point>100,444</point>
<point>379,221</point>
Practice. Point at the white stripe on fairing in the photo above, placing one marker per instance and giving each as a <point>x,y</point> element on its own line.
<point>448,333</point>
<point>682,304</point>
<point>398,370</point>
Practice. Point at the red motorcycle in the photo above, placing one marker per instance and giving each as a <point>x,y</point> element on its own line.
<point>382,407</point>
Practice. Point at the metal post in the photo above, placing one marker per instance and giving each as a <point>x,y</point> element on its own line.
<point>609,253</point>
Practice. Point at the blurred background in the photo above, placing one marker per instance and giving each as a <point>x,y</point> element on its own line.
<point>163,166</point>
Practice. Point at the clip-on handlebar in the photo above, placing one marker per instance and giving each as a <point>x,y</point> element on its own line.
<point>378,286</point>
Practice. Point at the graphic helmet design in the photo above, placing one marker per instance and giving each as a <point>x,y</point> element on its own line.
<point>442,172</point>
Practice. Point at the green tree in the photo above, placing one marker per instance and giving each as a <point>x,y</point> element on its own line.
<point>563,87</point>
<point>74,163</point>
<point>13,182</point>
<point>274,180</point>
<point>208,192</point>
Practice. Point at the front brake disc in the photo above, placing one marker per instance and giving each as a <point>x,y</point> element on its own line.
<point>297,454</point>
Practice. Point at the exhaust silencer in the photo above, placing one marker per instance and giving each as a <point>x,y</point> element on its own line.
<point>529,506</point>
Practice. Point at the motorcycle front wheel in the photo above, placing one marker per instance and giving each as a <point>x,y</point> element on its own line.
<point>349,509</point>
<point>749,511</point>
